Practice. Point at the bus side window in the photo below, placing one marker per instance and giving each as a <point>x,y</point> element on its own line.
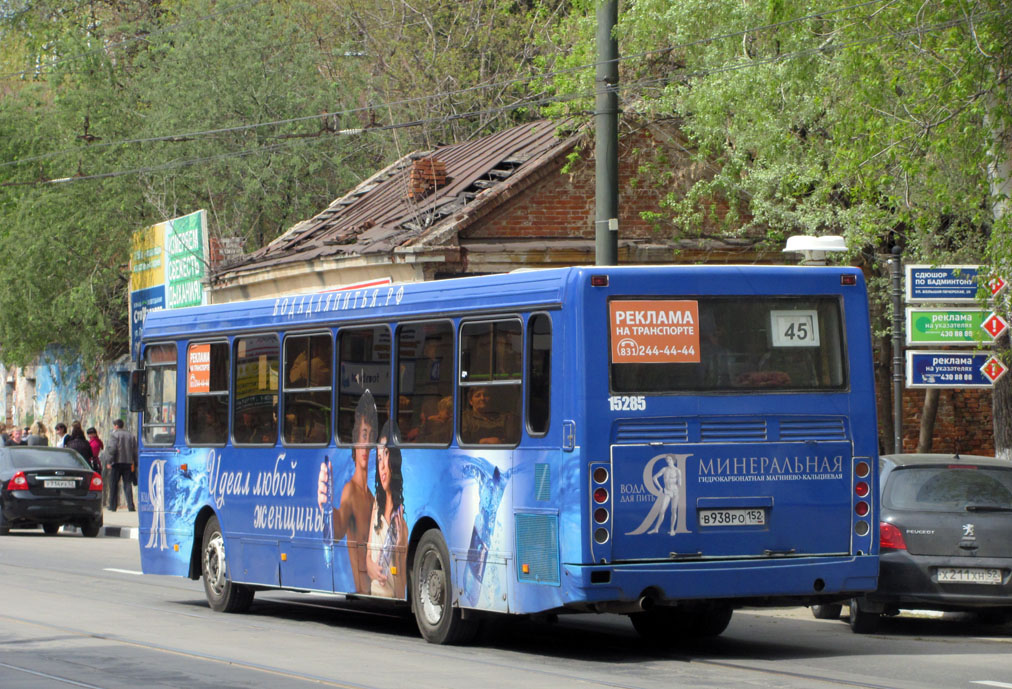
<point>307,390</point>
<point>207,369</point>
<point>255,418</point>
<point>425,383</point>
<point>489,394</point>
<point>539,373</point>
<point>160,403</point>
<point>364,356</point>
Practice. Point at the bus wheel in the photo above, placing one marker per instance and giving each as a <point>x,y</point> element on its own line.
<point>712,620</point>
<point>432,594</point>
<point>660,624</point>
<point>222,594</point>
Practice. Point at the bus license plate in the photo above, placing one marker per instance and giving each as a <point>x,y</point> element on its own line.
<point>752,516</point>
<point>58,484</point>
<point>968,575</point>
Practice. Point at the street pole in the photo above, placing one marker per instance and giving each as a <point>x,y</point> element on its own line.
<point>896,264</point>
<point>606,136</point>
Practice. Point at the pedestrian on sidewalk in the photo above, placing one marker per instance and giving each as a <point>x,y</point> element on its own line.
<point>15,437</point>
<point>61,433</point>
<point>122,459</point>
<point>77,441</point>
<point>38,434</point>
<point>96,443</point>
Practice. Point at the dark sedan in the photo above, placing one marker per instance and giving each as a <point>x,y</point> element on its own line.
<point>48,487</point>
<point>945,539</point>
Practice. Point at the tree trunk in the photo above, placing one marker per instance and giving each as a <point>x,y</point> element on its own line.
<point>928,414</point>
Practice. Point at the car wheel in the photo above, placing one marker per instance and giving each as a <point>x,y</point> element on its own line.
<point>994,616</point>
<point>5,528</point>
<point>223,595</point>
<point>827,611</point>
<point>432,594</point>
<point>51,529</point>
<point>91,529</point>
<point>861,620</point>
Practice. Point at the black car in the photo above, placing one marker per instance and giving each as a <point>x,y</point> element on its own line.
<point>48,486</point>
<point>945,539</point>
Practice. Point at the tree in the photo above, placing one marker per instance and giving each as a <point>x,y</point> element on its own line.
<point>878,122</point>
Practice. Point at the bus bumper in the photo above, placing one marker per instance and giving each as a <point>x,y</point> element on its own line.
<point>772,582</point>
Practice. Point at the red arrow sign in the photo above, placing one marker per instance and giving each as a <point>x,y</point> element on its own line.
<point>995,325</point>
<point>993,369</point>
<point>996,285</point>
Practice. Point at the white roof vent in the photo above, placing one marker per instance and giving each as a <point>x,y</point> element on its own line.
<point>814,249</point>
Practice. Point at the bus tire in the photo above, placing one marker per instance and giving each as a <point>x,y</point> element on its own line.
<point>432,594</point>
<point>223,595</point>
<point>827,611</point>
<point>862,621</point>
<point>660,625</point>
<point>712,620</point>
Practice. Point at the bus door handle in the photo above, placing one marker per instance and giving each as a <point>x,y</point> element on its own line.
<point>568,435</point>
<point>778,553</point>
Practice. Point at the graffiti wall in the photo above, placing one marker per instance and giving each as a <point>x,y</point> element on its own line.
<point>50,391</point>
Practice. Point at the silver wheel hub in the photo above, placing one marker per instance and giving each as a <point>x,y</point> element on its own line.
<point>214,564</point>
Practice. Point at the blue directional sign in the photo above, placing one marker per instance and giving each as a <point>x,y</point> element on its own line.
<point>947,369</point>
<point>942,283</point>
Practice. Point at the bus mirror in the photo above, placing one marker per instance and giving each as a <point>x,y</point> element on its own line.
<point>137,391</point>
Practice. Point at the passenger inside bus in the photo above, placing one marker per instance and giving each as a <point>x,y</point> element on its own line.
<point>482,424</point>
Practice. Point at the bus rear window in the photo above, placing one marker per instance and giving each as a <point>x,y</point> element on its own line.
<point>721,344</point>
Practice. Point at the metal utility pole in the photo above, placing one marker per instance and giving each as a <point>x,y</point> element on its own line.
<point>896,264</point>
<point>606,135</point>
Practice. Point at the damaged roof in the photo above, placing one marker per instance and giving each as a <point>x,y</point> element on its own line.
<point>420,201</point>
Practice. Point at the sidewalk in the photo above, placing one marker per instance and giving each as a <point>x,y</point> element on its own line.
<point>119,524</point>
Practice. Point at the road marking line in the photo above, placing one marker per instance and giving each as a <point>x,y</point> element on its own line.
<point>122,571</point>
<point>989,683</point>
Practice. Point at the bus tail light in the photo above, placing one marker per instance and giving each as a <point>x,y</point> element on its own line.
<point>18,482</point>
<point>601,495</point>
<point>861,489</point>
<point>861,509</point>
<point>96,482</point>
<point>891,537</point>
<point>600,515</point>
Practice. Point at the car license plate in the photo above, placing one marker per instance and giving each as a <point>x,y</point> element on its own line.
<point>59,484</point>
<point>968,575</point>
<point>753,516</point>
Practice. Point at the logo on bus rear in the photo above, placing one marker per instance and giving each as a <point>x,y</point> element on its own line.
<point>664,486</point>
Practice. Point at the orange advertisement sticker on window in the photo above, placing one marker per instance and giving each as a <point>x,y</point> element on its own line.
<point>654,332</point>
<point>198,369</point>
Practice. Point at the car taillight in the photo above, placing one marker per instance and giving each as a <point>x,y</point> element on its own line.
<point>891,537</point>
<point>96,481</point>
<point>18,482</point>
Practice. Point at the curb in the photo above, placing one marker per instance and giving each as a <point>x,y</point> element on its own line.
<point>107,531</point>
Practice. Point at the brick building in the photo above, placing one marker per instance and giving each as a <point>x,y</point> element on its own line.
<point>525,198</point>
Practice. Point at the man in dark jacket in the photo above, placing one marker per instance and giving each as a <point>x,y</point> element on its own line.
<point>122,460</point>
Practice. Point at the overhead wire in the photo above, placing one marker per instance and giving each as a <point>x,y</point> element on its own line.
<point>444,94</point>
<point>643,83</point>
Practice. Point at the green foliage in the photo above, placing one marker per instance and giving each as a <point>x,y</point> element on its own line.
<point>151,111</point>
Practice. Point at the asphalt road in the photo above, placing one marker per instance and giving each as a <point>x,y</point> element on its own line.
<point>76,612</point>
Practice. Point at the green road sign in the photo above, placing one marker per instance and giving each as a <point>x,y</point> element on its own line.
<point>953,326</point>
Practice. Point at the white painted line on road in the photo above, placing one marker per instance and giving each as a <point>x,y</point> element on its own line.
<point>989,683</point>
<point>122,571</point>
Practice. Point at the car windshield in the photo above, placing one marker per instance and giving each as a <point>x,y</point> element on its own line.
<point>949,488</point>
<point>31,458</point>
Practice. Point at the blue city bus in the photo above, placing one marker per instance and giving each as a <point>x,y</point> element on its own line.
<point>669,443</point>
